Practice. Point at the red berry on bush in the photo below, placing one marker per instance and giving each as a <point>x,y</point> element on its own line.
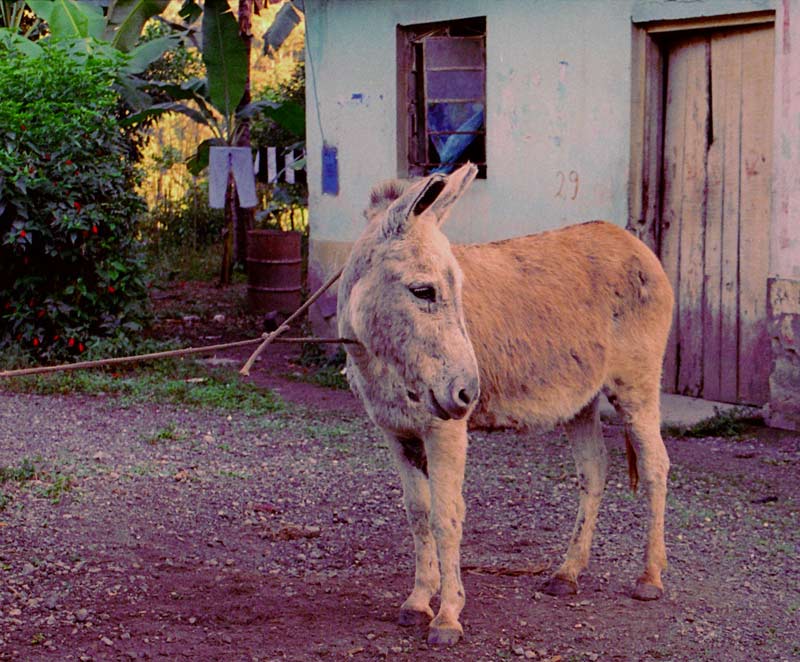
<point>77,206</point>
<point>35,342</point>
<point>80,347</point>
<point>71,342</point>
<point>22,233</point>
<point>94,229</point>
<point>111,289</point>
<point>68,162</point>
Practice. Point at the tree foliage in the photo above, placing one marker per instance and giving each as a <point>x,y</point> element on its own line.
<point>70,271</point>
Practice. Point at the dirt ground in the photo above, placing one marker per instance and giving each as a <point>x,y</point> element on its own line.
<point>194,534</point>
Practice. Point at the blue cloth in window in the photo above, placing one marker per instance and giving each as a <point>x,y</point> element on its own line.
<point>453,117</point>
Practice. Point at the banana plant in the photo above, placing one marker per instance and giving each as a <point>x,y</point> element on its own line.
<point>215,102</point>
<point>19,27</point>
<point>84,24</point>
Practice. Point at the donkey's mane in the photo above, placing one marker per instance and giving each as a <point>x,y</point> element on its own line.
<point>383,195</point>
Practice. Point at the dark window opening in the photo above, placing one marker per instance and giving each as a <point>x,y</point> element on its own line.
<point>442,78</point>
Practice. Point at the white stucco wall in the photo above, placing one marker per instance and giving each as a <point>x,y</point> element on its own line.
<point>558,107</point>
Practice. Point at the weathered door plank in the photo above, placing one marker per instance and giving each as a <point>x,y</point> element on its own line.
<point>729,50</point>
<point>756,168</point>
<point>672,194</point>
<point>714,212</point>
<point>692,226</point>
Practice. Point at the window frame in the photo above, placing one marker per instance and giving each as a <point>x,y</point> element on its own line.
<point>413,134</point>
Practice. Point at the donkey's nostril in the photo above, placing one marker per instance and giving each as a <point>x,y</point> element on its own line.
<point>465,392</point>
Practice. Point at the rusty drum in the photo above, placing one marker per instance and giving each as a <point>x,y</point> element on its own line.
<point>274,271</point>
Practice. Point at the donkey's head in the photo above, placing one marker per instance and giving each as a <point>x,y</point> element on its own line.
<point>400,297</point>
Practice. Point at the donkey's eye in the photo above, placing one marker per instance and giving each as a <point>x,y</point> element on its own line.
<point>424,292</point>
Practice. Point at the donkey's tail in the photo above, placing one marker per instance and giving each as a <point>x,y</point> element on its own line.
<point>633,472</point>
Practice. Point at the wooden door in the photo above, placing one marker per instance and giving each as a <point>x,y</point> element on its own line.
<point>715,212</point>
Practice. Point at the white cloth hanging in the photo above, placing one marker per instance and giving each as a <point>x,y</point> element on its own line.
<point>224,160</point>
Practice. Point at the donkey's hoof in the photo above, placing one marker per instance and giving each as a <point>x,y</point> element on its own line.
<point>444,636</point>
<point>646,591</point>
<point>560,587</point>
<point>412,617</point>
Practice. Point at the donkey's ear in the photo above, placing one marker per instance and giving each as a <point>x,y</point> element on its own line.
<point>415,200</point>
<point>456,184</point>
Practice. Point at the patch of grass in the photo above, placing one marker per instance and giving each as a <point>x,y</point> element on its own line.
<point>732,422</point>
<point>55,490</point>
<point>324,370</point>
<point>90,382</point>
<point>167,433</point>
<point>25,471</point>
<point>51,484</point>
<point>216,392</point>
<point>329,432</point>
<point>228,473</point>
<point>178,382</point>
<point>141,470</point>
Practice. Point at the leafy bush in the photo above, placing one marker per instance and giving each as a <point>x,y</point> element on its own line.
<point>70,270</point>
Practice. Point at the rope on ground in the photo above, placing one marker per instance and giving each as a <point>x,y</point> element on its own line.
<point>265,339</point>
<point>283,327</point>
<point>207,349</point>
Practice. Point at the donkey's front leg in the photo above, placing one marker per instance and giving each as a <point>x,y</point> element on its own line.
<point>446,449</point>
<point>409,456</point>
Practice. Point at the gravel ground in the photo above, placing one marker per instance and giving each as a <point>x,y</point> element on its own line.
<point>152,531</point>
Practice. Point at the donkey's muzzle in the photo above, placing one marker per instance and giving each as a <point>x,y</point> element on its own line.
<point>456,401</point>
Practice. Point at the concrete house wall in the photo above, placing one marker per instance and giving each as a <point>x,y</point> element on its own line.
<point>558,118</point>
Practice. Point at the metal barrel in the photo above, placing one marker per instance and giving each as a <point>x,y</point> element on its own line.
<point>274,271</point>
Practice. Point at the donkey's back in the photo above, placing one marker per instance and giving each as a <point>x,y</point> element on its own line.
<point>556,317</point>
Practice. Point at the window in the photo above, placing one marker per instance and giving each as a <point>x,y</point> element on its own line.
<point>442,96</point>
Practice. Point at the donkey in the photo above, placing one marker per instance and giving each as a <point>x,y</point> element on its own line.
<point>522,333</point>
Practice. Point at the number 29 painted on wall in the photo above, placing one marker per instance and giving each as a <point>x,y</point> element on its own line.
<point>568,185</point>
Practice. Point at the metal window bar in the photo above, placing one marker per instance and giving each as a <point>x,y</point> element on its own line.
<point>423,68</point>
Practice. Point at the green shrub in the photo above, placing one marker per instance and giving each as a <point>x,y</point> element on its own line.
<point>70,268</point>
<point>186,224</point>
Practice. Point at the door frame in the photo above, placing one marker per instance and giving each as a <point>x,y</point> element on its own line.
<point>649,54</point>
<point>648,83</point>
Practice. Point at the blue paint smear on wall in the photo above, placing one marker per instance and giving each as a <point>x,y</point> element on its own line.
<point>330,170</point>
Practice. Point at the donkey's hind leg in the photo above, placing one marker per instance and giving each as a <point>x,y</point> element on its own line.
<point>641,412</point>
<point>589,450</point>
<point>409,455</point>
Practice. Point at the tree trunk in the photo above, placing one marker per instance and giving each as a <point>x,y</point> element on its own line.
<point>244,219</point>
<point>226,271</point>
